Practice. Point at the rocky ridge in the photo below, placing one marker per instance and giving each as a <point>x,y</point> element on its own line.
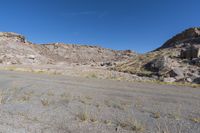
<point>15,49</point>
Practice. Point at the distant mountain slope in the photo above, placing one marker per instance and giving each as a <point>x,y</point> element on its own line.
<point>15,49</point>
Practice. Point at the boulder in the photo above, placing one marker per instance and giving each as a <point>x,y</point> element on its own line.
<point>197,81</point>
<point>32,57</point>
<point>177,73</point>
<point>190,52</point>
<point>160,64</point>
<point>195,61</point>
<point>169,80</point>
<point>108,63</point>
<point>192,77</point>
<point>189,80</point>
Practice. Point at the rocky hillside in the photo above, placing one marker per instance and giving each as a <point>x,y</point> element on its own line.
<point>177,60</point>
<point>191,36</point>
<point>15,49</point>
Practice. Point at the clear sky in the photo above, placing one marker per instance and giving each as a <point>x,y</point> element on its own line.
<point>139,25</point>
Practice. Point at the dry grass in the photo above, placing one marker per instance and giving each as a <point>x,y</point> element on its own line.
<point>114,104</point>
<point>45,102</point>
<point>165,128</point>
<point>5,96</point>
<point>156,115</point>
<point>135,65</point>
<point>93,119</point>
<point>107,122</point>
<point>83,116</point>
<point>91,75</point>
<point>50,93</point>
<point>2,98</point>
<point>25,98</point>
<point>131,124</point>
<point>195,119</point>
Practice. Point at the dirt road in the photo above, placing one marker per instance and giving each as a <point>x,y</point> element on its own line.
<point>41,103</point>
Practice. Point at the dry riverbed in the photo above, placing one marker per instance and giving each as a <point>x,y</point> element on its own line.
<point>42,103</point>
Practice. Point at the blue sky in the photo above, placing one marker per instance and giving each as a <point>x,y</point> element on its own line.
<point>139,25</point>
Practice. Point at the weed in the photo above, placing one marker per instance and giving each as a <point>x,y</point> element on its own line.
<point>25,98</point>
<point>131,124</point>
<point>44,102</point>
<point>107,122</point>
<point>155,115</point>
<point>50,93</point>
<point>114,104</point>
<point>195,120</point>
<point>83,116</point>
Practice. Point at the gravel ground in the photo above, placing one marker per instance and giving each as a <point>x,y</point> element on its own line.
<point>42,103</point>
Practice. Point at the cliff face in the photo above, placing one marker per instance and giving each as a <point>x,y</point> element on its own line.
<point>15,49</point>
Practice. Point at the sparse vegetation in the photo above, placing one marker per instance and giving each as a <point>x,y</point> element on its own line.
<point>114,103</point>
<point>107,122</point>
<point>131,124</point>
<point>25,98</point>
<point>156,115</point>
<point>195,119</point>
<point>45,102</point>
<point>50,93</point>
<point>83,115</point>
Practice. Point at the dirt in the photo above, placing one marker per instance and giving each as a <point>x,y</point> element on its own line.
<point>46,103</point>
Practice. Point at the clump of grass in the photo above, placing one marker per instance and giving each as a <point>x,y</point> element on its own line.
<point>156,115</point>
<point>91,75</point>
<point>2,100</point>
<point>88,97</point>
<point>195,120</point>
<point>4,96</point>
<point>83,116</point>
<point>66,97</point>
<point>166,129</point>
<point>107,122</point>
<point>177,113</point>
<point>114,104</point>
<point>11,68</point>
<point>138,103</point>
<point>118,106</point>
<point>93,119</point>
<point>50,93</point>
<point>25,98</point>
<point>85,100</point>
<point>82,101</point>
<point>131,124</point>
<point>39,71</point>
<point>125,103</point>
<point>97,105</point>
<point>45,102</point>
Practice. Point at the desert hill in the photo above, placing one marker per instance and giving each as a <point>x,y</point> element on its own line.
<point>15,49</point>
<point>177,60</point>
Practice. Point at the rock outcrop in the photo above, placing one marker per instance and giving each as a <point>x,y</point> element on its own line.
<point>190,52</point>
<point>177,60</point>
<point>12,36</point>
<point>191,36</point>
